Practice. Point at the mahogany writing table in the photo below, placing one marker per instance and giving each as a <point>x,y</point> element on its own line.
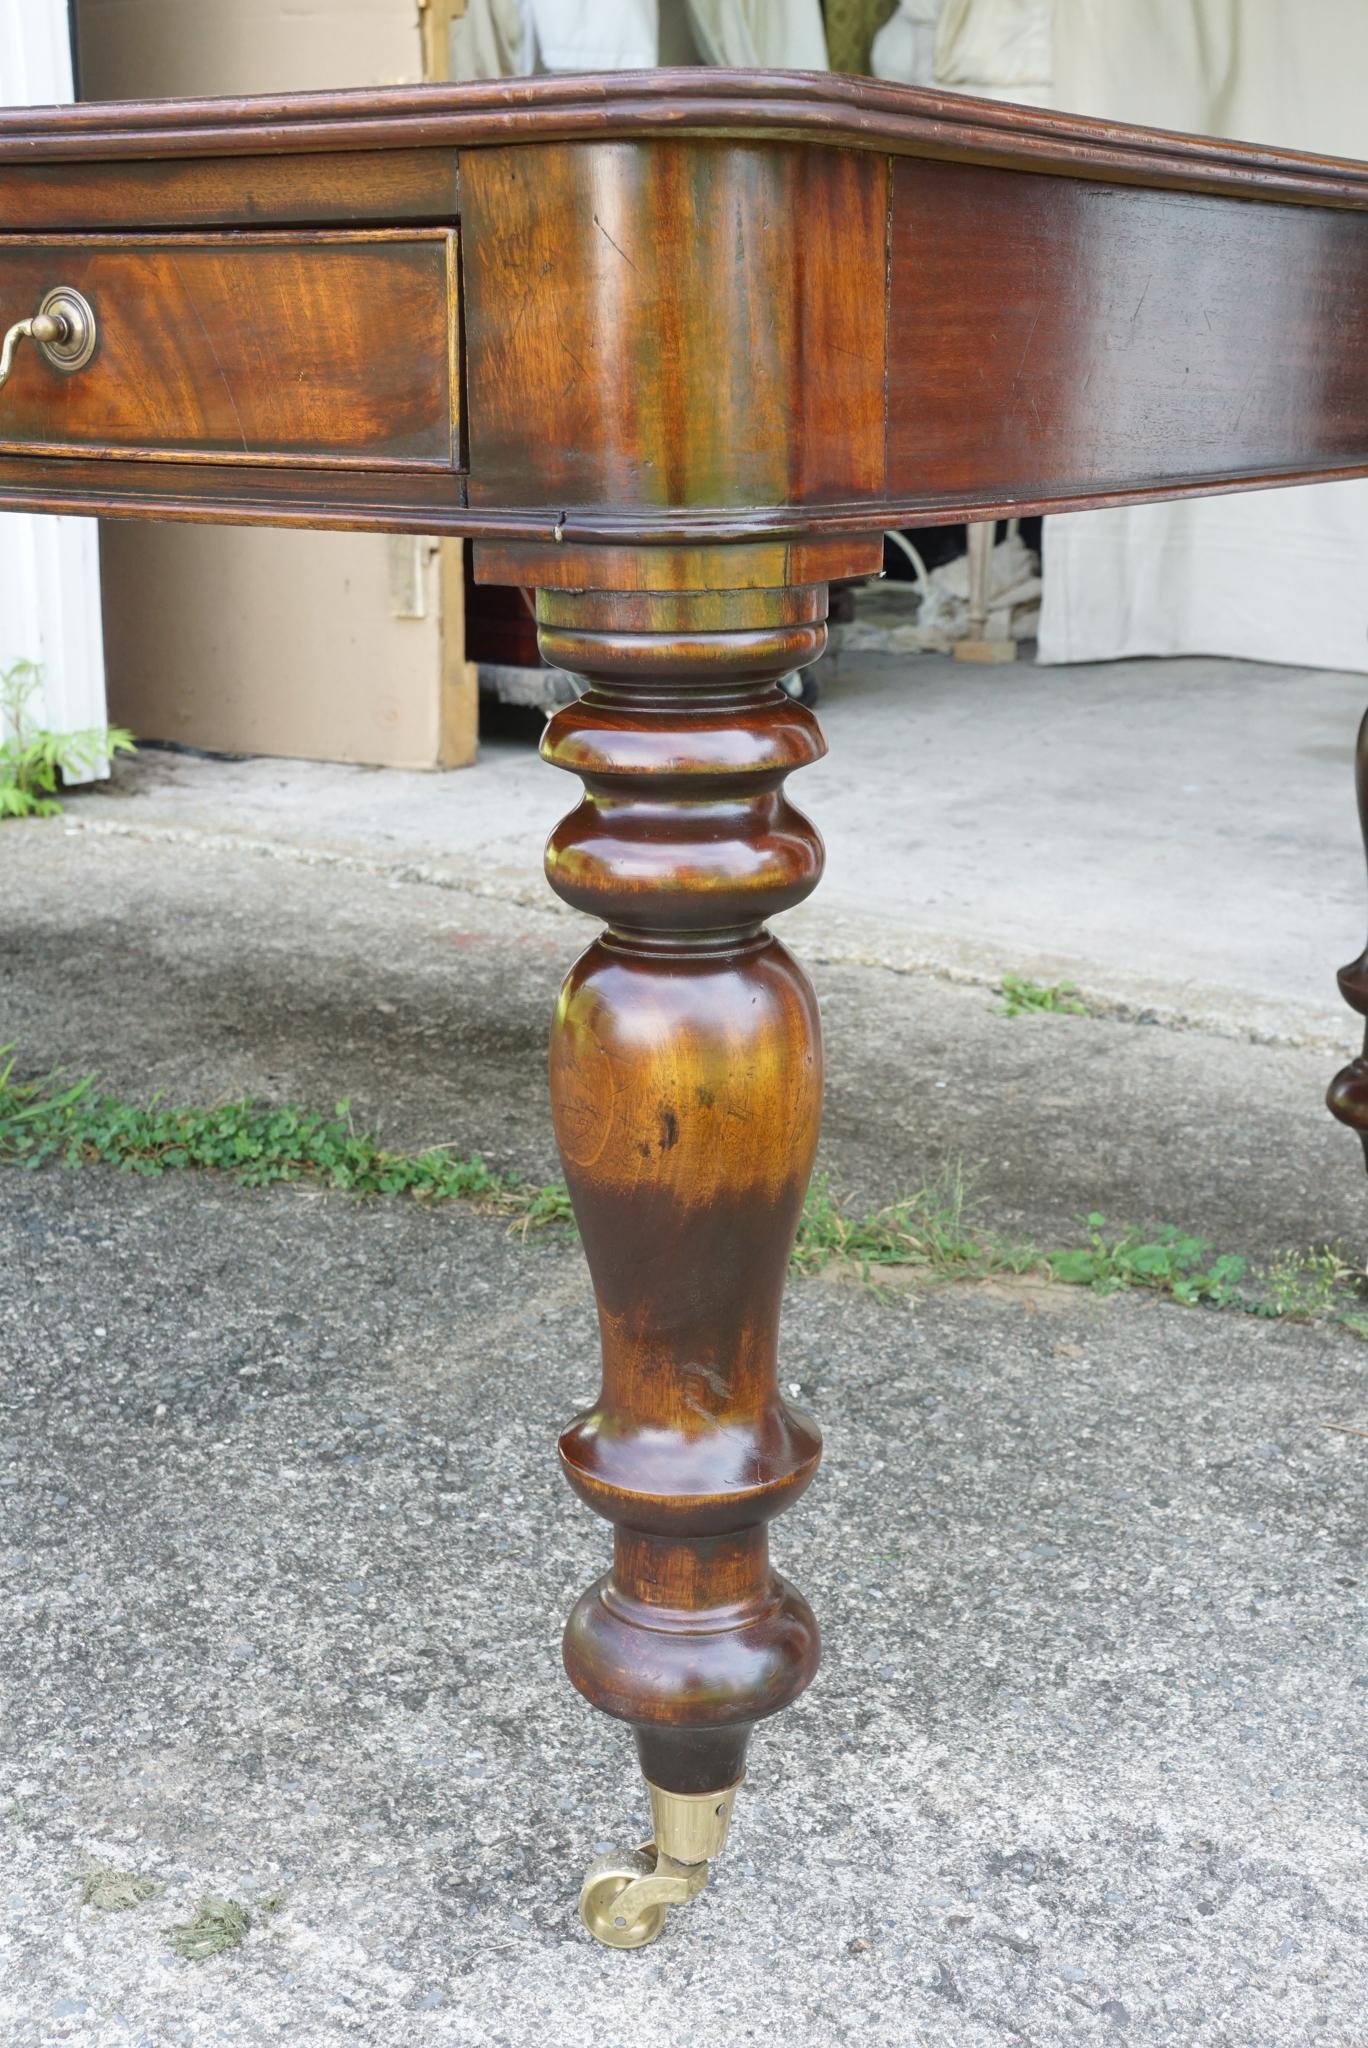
<point>674,350</point>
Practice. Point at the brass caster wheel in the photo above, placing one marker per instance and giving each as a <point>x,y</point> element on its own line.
<point>624,1896</point>
<point>610,1916</point>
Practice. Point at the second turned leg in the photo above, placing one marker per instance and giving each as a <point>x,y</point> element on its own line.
<point>686,1084</point>
<point>1348,1093</point>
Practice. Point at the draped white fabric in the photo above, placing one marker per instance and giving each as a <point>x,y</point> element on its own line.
<point>492,39</point>
<point>1279,576</point>
<point>997,49</point>
<point>497,38</point>
<point>49,568</point>
<point>782,35</point>
<point>584,35</point>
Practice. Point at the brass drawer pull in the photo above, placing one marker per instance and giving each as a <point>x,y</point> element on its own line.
<point>63,327</point>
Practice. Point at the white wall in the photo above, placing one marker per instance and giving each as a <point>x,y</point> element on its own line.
<point>49,568</point>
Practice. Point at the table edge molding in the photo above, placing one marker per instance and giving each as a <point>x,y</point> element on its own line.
<point>827,108</point>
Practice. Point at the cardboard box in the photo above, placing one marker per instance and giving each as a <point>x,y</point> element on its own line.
<point>256,640</point>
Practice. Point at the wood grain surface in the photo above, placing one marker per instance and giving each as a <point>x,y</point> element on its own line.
<point>674,338</point>
<point>703,337</point>
<point>335,348</point>
<point>686,1081</point>
<point>689,324</point>
<point>355,187</point>
<point>1053,337</point>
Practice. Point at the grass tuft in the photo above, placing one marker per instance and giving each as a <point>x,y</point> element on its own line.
<point>931,1234</point>
<point>69,1121</point>
<point>219,1924</point>
<point>928,1231</point>
<point>1310,1287</point>
<point>117,1891</point>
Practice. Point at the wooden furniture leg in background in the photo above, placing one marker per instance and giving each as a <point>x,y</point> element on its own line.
<point>460,707</point>
<point>1348,1092</point>
<point>981,538</point>
<point>686,1079</point>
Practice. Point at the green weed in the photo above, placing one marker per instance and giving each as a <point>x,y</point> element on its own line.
<point>933,1233</point>
<point>1301,1287</point>
<point>1023,998</point>
<point>1168,1262</point>
<point>548,1205</point>
<point>32,758</point>
<point>1306,1287</point>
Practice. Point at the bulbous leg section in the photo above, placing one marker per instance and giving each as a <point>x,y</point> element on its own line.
<point>1347,1095</point>
<point>686,1090</point>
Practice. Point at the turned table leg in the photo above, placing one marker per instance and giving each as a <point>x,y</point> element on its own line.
<point>686,1076</point>
<point>1348,1092</point>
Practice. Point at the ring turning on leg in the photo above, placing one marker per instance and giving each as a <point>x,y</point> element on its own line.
<point>686,1086</point>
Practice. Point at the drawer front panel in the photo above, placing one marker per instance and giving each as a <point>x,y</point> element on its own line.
<point>333,348</point>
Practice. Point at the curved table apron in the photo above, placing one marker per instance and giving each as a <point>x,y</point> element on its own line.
<point>674,350</point>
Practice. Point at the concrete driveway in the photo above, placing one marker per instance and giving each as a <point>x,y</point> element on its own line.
<point>284,1550</point>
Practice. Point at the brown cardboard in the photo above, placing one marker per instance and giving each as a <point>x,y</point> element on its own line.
<point>264,641</point>
<point>143,49</point>
<point>249,640</point>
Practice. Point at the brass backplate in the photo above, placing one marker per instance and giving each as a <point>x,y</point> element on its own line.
<point>73,348</point>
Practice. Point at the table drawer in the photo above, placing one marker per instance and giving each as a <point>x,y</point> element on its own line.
<point>333,348</point>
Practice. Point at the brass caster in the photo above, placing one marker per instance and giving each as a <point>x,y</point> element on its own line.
<point>624,1895</point>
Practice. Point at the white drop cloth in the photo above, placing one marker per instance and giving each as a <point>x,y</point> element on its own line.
<point>1279,576</point>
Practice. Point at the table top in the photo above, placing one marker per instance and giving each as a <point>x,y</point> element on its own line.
<point>671,308</point>
<point>856,113</point>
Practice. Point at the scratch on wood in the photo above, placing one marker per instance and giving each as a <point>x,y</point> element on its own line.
<point>523,305</point>
<point>1029,339</point>
<point>617,245</point>
<point>581,367</point>
<point>1245,396</point>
